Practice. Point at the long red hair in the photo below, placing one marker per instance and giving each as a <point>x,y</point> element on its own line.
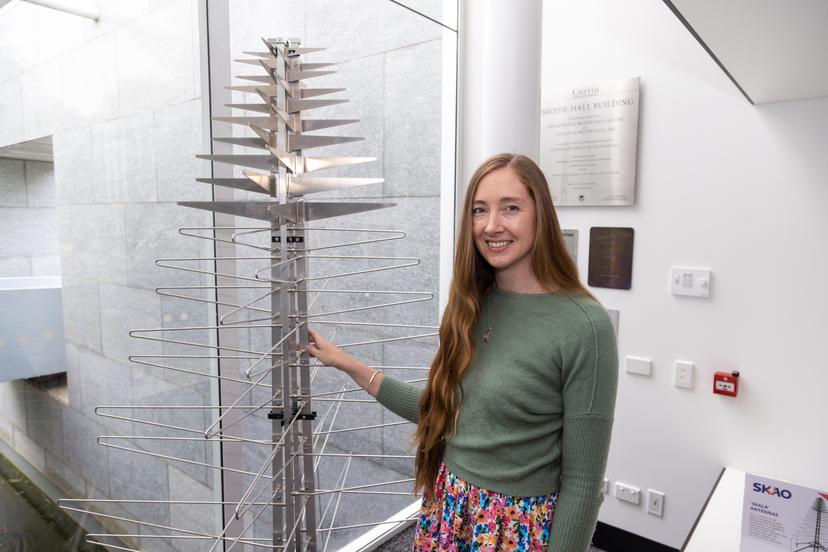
<point>473,278</point>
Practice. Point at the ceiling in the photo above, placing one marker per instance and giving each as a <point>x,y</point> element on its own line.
<point>33,150</point>
<point>772,50</point>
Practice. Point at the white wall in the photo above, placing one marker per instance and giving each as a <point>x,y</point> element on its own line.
<point>725,185</point>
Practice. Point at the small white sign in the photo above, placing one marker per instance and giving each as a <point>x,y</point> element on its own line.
<point>777,515</point>
<point>588,142</point>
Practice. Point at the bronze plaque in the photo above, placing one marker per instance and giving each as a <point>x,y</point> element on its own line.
<point>610,257</point>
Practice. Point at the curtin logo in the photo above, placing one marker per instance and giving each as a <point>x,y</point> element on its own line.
<point>771,490</point>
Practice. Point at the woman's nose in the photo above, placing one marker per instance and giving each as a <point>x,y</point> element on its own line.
<point>493,224</point>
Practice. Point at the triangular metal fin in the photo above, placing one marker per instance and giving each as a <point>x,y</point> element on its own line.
<point>300,185</point>
<point>293,75</point>
<point>260,108</point>
<point>243,141</point>
<point>266,182</point>
<point>268,123</point>
<point>256,78</point>
<point>306,141</point>
<point>313,164</point>
<point>309,125</point>
<point>294,106</point>
<point>266,135</point>
<point>314,66</point>
<point>262,162</point>
<point>244,184</point>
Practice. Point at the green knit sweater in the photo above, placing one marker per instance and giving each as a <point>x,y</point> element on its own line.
<point>538,406</point>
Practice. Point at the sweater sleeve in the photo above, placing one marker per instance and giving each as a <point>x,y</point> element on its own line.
<point>403,399</point>
<point>589,388</point>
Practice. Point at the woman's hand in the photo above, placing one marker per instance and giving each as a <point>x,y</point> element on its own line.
<point>328,353</point>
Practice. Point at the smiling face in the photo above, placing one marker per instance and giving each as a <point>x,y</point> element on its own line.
<point>503,225</point>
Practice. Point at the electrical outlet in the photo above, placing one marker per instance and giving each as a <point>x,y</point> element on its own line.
<point>655,503</point>
<point>637,365</point>
<point>683,374</point>
<point>627,493</point>
<point>605,486</point>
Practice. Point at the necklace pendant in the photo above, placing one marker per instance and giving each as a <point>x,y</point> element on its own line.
<point>487,335</point>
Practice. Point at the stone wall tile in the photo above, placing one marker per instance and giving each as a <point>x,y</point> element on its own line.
<point>81,451</point>
<point>90,85</point>
<point>152,233</point>
<point>18,41</point>
<point>82,312</point>
<point>124,309</point>
<point>178,141</point>
<point>15,266</point>
<point>12,183</point>
<point>45,420</point>
<point>363,28</point>
<point>42,89</point>
<point>155,64</point>
<point>139,476</point>
<point>45,265</point>
<point>29,450</point>
<point>123,159</point>
<point>28,231</point>
<point>412,120</point>
<point>98,242</point>
<point>200,518</point>
<point>75,179</point>
<point>40,184</point>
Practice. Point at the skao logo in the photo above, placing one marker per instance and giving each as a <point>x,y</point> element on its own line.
<point>771,490</point>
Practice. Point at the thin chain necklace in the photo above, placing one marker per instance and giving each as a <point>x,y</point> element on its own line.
<point>487,335</point>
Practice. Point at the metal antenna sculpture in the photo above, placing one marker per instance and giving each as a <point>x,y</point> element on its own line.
<point>285,483</point>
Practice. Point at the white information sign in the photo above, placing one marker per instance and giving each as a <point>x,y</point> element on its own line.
<point>588,142</point>
<point>777,515</point>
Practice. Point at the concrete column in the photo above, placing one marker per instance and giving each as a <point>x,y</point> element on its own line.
<point>499,92</point>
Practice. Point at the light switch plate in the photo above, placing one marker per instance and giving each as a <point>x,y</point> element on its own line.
<point>693,282</point>
<point>636,365</point>
<point>683,374</point>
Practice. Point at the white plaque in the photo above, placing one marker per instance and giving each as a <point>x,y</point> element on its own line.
<point>779,516</point>
<point>588,142</point>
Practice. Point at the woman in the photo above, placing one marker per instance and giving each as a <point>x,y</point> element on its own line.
<point>514,424</point>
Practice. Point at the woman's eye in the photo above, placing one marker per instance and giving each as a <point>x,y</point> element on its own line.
<point>478,211</point>
<point>511,209</point>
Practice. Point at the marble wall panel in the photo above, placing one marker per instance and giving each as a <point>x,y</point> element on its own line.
<point>40,184</point>
<point>29,232</point>
<point>75,179</point>
<point>124,309</point>
<point>46,265</point>
<point>11,97</point>
<point>413,120</point>
<point>200,518</point>
<point>29,450</point>
<point>151,391</point>
<point>14,403</point>
<point>82,312</point>
<point>155,62</point>
<point>81,452</point>
<point>12,183</point>
<point>42,89</point>
<point>250,20</point>
<point>15,266</point>
<point>18,42</point>
<point>362,28</point>
<point>90,84</point>
<point>178,139</point>
<point>151,232</point>
<point>59,32</point>
<point>104,382</point>
<point>98,243</point>
<point>45,420</point>
<point>73,375</point>
<point>123,160</point>
<point>138,476</point>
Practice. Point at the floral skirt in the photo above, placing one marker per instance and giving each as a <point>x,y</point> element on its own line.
<point>462,517</point>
